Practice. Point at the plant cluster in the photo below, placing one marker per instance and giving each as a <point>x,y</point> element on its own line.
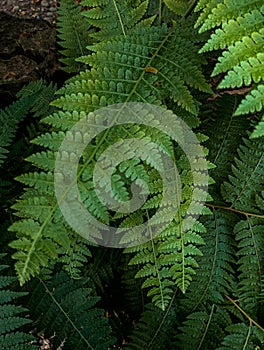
<point>198,284</point>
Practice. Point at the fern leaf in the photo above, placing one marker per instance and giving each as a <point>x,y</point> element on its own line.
<point>43,95</point>
<point>228,9</point>
<point>73,34</point>
<point>225,132</point>
<point>244,190</point>
<point>158,336</point>
<point>242,33</point>
<point>242,337</point>
<point>245,73</point>
<point>247,178</point>
<point>93,89</point>
<point>215,275</point>
<point>253,102</point>
<point>10,117</point>
<point>114,17</point>
<point>234,29</point>
<point>67,309</point>
<point>11,320</point>
<point>179,6</point>
<point>251,263</point>
<point>259,129</point>
<point>203,329</point>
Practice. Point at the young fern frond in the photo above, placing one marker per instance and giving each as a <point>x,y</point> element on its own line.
<point>66,308</point>
<point>242,34</point>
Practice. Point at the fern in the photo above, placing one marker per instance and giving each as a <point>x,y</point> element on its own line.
<point>203,329</point>
<point>242,191</point>
<point>215,276</point>
<point>179,7</point>
<point>73,34</point>
<point>242,34</point>
<point>159,335</point>
<point>66,308</point>
<point>12,115</point>
<point>259,129</point>
<point>11,320</point>
<point>116,59</point>
<point>115,17</point>
<point>242,337</point>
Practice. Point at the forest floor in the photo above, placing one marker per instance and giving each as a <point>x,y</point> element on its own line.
<point>39,9</point>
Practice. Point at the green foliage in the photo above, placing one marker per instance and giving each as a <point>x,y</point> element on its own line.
<point>12,317</point>
<point>259,129</point>
<point>115,17</point>
<point>198,283</point>
<point>241,33</point>
<point>72,32</point>
<point>158,336</point>
<point>243,337</point>
<point>30,98</point>
<point>66,308</point>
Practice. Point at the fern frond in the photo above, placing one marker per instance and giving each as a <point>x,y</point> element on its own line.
<point>225,10</point>
<point>242,34</point>
<point>225,131</point>
<point>244,191</point>
<point>203,329</point>
<point>45,94</point>
<point>73,34</point>
<point>11,317</point>
<point>247,179</point>
<point>242,337</point>
<point>10,118</point>
<point>131,287</point>
<point>158,336</point>
<point>146,65</point>
<point>249,234</point>
<point>259,129</point>
<point>215,275</point>
<point>253,102</point>
<point>179,6</point>
<point>66,308</point>
<point>115,17</point>
<point>155,47</point>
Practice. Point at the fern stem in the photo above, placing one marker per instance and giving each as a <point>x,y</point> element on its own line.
<point>120,19</point>
<point>234,210</point>
<point>207,326</point>
<point>244,313</point>
<point>160,6</point>
<point>162,322</point>
<point>190,9</point>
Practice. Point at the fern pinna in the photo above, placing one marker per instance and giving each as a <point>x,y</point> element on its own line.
<point>204,277</point>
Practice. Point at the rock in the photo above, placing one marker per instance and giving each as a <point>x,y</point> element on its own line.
<point>27,53</point>
<point>44,3</point>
